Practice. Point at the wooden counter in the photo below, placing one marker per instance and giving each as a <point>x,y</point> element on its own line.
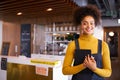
<point>21,68</point>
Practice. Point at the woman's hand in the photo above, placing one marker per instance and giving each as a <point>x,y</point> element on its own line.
<point>90,62</point>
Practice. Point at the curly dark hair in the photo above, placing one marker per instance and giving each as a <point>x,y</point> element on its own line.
<point>90,10</point>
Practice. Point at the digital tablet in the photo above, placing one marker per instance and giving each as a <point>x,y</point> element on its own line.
<point>79,55</point>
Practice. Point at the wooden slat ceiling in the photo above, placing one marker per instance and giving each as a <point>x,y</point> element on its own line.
<point>36,8</point>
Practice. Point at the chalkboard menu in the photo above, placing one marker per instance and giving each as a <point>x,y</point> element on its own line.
<point>26,40</point>
<point>5,48</point>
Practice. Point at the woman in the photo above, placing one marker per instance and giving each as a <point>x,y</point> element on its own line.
<point>90,56</point>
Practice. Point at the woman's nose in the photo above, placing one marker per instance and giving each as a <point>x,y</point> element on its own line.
<point>89,25</point>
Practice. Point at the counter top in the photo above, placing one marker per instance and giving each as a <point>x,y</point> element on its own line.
<point>49,60</point>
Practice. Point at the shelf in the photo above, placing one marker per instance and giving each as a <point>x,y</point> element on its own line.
<point>61,41</point>
<point>63,32</point>
<point>57,41</point>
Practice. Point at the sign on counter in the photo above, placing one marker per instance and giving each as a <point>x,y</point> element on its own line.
<point>42,70</point>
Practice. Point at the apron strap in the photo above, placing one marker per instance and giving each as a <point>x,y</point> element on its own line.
<point>77,44</point>
<point>99,46</point>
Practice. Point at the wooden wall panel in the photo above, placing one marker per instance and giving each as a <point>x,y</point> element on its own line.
<point>11,33</point>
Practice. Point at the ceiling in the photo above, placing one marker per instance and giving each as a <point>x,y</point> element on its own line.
<point>109,8</point>
<point>37,8</point>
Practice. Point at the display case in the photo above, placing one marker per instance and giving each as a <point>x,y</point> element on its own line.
<point>57,37</point>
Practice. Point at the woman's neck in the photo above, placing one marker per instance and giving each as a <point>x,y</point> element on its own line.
<point>86,37</point>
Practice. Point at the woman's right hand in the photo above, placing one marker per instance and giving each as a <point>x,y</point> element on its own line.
<point>90,62</point>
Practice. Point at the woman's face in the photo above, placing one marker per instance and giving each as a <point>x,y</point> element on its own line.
<point>87,25</point>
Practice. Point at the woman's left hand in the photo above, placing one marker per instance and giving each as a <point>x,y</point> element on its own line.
<point>90,62</point>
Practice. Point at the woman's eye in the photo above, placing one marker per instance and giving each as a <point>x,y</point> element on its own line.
<point>84,23</point>
<point>92,23</point>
